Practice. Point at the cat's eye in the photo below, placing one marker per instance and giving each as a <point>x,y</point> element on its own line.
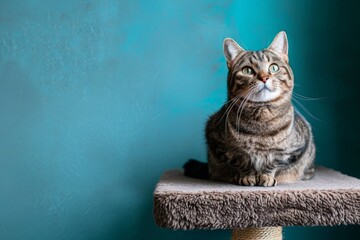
<point>274,68</point>
<point>247,71</point>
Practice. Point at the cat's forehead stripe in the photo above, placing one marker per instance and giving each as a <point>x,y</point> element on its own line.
<point>260,55</point>
<point>257,56</point>
<point>254,57</point>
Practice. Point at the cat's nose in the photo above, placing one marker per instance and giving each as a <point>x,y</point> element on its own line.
<point>263,78</point>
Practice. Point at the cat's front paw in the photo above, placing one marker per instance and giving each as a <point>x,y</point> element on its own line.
<point>266,180</point>
<point>247,180</point>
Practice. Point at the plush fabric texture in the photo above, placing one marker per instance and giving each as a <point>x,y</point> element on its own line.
<point>330,198</point>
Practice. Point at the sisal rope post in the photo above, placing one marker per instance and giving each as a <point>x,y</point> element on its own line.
<point>263,233</point>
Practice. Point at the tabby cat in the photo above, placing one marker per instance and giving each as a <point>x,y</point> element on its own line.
<point>257,138</point>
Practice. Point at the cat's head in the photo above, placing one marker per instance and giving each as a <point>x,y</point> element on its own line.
<point>259,76</point>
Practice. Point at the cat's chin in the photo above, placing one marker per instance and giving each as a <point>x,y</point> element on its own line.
<point>265,95</point>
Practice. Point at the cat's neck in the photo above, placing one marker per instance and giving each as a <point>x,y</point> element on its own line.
<point>261,117</point>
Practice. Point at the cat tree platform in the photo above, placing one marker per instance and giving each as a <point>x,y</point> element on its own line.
<point>330,198</point>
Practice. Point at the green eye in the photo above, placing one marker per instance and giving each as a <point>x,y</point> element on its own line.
<point>248,71</point>
<point>274,68</point>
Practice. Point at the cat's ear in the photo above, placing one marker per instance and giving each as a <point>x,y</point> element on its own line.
<point>231,49</point>
<point>280,45</point>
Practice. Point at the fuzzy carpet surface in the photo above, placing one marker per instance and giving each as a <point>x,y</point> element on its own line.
<point>330,198</point>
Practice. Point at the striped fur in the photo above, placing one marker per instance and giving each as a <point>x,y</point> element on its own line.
<point>257,138</point>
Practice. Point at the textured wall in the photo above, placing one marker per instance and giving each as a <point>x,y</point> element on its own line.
<point>98,98</point>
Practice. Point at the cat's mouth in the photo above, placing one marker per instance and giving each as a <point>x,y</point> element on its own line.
<point>264,93</point>
<point>265,89</point>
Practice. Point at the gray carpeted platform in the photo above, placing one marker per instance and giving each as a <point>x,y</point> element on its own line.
<point>330,198</point>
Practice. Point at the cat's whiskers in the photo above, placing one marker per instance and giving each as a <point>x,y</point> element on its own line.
<point>233,101</point>
<point>242,105</point>
<point>301,97</point>
<point>289,98</point>
<point>306,98</point>
<point>227,115</point>
<point>306,110</point>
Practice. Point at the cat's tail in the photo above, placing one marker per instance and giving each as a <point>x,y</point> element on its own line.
<point>196,169</point>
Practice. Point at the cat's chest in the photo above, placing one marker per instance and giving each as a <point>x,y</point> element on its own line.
<point>261,150</point>
<point>259,160</point>
<point>260,145</point>
<point>260,154</point>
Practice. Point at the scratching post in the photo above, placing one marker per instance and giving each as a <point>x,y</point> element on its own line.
<point>264,233</point>
<point>330,198</point>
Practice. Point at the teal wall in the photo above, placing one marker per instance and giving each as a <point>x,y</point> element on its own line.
<point>98,98</point>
